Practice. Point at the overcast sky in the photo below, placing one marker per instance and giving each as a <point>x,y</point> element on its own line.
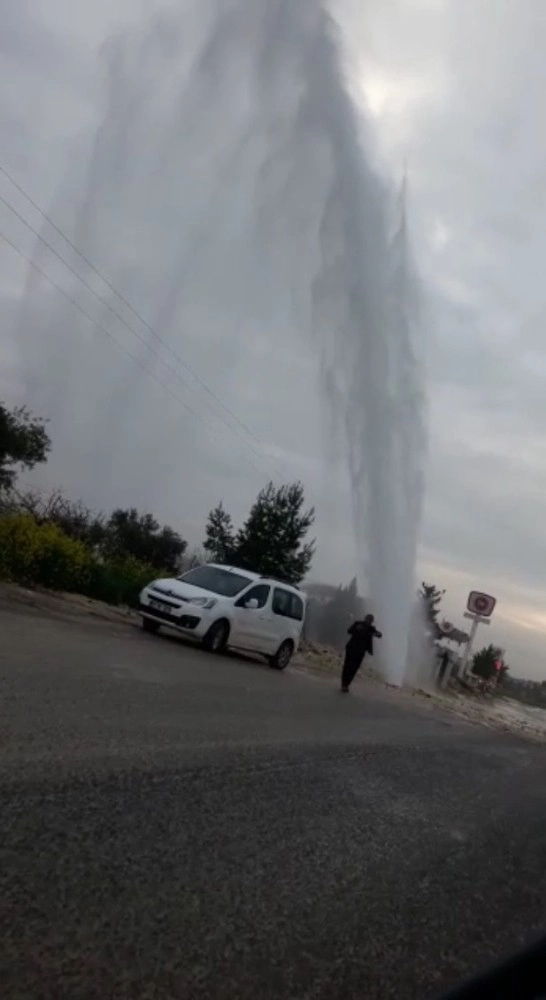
<point>454,88</point>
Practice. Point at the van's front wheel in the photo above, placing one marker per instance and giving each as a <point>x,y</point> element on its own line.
<point>282,657</point>
<point>216,638</point>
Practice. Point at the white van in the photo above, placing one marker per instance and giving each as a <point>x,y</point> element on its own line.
<point>223,606</point>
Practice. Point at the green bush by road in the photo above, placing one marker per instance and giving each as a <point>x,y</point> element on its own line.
<point>43,555</point>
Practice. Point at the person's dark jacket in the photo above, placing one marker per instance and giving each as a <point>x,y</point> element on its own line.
<point>362,637</point>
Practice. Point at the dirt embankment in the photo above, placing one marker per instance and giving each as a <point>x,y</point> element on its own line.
<point>63,605</point>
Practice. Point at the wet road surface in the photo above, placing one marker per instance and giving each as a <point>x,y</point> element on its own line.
<point>176,825</point>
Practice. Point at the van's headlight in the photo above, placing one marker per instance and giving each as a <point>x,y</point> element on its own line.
<point>203,602</point>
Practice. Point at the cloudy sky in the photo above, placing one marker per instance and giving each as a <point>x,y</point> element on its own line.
<point>99,106</point>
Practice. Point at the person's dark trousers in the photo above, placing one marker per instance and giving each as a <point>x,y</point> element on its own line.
<point>441,672</point>
<point>351,666</point>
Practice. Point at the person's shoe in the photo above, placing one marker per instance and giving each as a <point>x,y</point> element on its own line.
<point>344,689</point>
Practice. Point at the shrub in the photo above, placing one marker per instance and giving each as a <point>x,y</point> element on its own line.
<point>61,563</point>
<point>18,546</point>
<point>43,555</point>
<point>119,581</point>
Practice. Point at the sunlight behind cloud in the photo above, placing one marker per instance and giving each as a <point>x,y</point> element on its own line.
<point>395,95</point>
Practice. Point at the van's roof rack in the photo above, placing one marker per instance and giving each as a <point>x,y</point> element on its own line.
<point>278,579</point>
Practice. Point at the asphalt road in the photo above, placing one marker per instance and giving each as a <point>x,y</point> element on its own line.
<point>175,825</point>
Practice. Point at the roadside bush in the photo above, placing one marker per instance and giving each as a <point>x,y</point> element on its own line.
<point>18,546</point>
<point>119,581</point>
<point>43,555</point>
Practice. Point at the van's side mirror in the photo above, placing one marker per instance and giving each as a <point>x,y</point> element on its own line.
<point>252,604</point>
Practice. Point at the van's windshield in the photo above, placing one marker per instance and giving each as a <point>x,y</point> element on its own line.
<point>216,580</point>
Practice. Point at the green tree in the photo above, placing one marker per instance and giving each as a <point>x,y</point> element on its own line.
<point>73,518</point>
<point>77,521</point>
<point>432,598</point>
<point>23,441</point>
<point>272,539</point>
<point>220,536</point>
<point>128,533</point>
<point>483,663</point>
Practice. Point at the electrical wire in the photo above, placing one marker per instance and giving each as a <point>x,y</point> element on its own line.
<point>121,347</point>
<point>202,384</point>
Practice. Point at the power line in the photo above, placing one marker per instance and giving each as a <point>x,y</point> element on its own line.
<point>125,301</point>
<point>104,302</point>
<point>120,346</point>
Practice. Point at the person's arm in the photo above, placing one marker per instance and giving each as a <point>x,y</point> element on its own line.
<point>352,629</point>
<point>377,633</point>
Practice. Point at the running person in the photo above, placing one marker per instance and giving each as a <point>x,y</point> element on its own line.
<point>361,642</point>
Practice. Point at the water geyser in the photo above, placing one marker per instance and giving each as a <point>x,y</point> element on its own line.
<point>231,176</point>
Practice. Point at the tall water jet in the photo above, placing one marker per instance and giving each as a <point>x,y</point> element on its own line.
<point>230,182</point>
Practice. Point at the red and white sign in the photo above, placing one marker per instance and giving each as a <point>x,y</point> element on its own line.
<point>481,604</point>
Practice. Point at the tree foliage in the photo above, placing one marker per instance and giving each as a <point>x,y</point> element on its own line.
<point>432,599</point>
<point>483,663</point>
<point>73,518</point>
<point>271,540</point>
<point>23,442</point>
<point>124,534</point>
<point>220,535</point>
<point>42,554</point>
<point>128,533</point>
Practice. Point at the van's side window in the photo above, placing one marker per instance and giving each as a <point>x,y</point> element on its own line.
<point>287,604</point>
<point>259,594</point>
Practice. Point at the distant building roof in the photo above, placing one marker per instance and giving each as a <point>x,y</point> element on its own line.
<point>455,635</point>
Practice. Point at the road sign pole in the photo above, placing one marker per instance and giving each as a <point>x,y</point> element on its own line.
<point>468,650</point>
<point>479,608</point>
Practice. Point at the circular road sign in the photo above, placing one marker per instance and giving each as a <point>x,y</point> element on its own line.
<point>481,604</point>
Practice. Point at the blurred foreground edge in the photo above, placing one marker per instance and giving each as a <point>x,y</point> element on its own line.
<point>522,977</point>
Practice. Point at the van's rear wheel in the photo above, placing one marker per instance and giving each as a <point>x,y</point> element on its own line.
<point>216,638</point>
<point>149,625</point>
<point>282,657</point>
